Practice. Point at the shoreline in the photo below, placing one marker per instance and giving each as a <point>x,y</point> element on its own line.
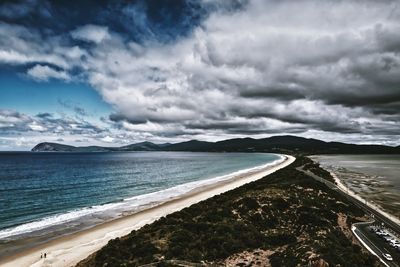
<point>115,209</point>
<point>353,194</point>
<point>70,249</point>
<point>370,204</point>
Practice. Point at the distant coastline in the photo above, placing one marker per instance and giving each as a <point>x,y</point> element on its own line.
<point>276,144</point>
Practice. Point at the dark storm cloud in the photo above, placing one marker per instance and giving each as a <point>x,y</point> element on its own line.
<point>118,117</point>
<point>263,131</point>
<point>278,92</point>
<point>217,125</point>
<point>44,115</point>
<point>245,128</point>
<point>289,123</point>
<point>389,110</point>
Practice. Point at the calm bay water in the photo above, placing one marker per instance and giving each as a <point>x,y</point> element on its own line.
<point>374,177</point>
<point>49,192</point>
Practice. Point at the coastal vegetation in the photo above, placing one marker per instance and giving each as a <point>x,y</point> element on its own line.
<point>284,219</point>
<point>313,166</point>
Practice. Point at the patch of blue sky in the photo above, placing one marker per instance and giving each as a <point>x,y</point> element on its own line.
<point>21,93</point>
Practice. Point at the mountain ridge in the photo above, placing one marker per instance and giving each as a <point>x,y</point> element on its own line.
<point>276,144</point>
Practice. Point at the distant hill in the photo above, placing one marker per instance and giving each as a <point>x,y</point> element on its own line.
<point>192,145</point>
<point>54,147</point>
<point>278,144</point>
<point>283,144</point>
<point>144,146</point>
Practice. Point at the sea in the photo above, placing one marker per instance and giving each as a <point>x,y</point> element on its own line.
<point>45,195</point>
<point>375,178</point>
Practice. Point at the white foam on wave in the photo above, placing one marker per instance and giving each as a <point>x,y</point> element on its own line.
<point>129,204</point>
<point>54,220</point>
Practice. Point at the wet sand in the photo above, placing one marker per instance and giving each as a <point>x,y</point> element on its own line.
<point>366,186</point>
<point>357,196</point>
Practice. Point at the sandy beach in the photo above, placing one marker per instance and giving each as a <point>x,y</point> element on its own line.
<point>69,250</point>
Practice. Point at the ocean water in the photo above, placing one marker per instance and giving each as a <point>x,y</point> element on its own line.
<point>54,193</point>
<point>376,178</point>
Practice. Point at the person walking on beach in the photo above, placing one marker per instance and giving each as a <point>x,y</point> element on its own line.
<point>44,255</point>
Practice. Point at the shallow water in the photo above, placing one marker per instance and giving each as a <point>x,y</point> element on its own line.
<point>53,193</point>
<point>376,178</point>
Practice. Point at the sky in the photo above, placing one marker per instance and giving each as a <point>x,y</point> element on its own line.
<point>119,72</point>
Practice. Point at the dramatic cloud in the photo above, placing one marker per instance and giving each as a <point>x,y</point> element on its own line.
<point>328,69</point>
<point>265,68</point>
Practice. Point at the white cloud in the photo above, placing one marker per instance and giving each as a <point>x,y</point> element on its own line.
<point>44,73</point>
<point>20,45</point>
<point>107,139</point>
<point>91,33</point>
<point>10,119</point>
<point>13,57</point>
<point>35,126</point>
